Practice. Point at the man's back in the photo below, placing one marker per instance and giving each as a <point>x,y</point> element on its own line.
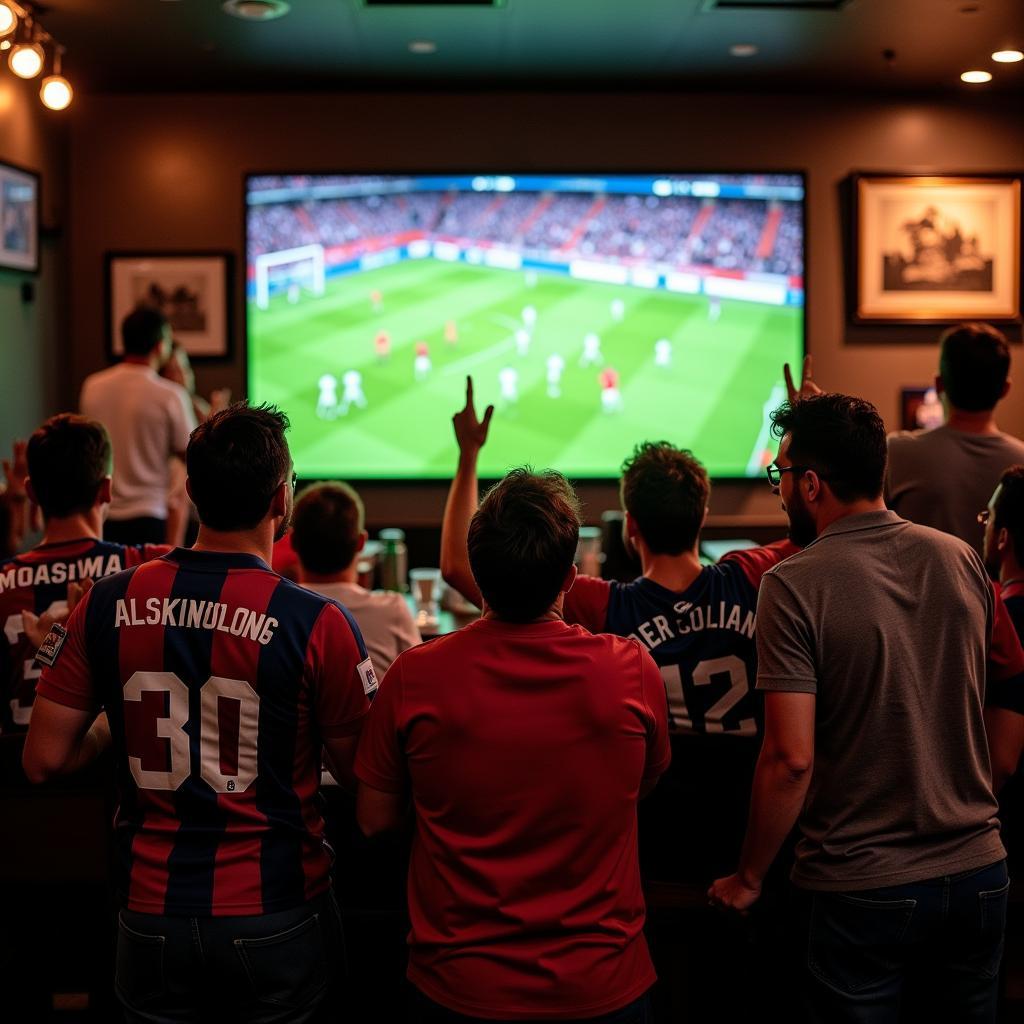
<point>148,419</point>
<point>220,680</point>
<point>889,624</point>
<point>37,581</point>
<point>525,748</point>
<point>944,477</point>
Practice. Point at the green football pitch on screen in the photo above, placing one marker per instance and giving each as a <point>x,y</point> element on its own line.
<point>710,389</point>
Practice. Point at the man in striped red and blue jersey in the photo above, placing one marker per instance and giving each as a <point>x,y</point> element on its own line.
<point>68,461</point>
<point>221,683</point>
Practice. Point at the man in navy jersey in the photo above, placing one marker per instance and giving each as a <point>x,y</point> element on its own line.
<point>1003,551</point>
<point>69,465</point>
<point>221,683</point>
<point>698,623</point>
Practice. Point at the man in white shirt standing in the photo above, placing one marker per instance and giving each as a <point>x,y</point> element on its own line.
<point>148,420</point>
<point>327,535</point>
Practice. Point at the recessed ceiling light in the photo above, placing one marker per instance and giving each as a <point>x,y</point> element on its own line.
<point>256,10</point>
<point>5,44</point>
<point>1007,56</point>
<point>743,50</point>
<point>423,46</point>
<point>976,77</point>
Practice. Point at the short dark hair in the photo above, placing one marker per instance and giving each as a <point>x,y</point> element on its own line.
<point>68,458</point>
<point>974,361</point>
<point>665,489</point>
<point>841,437</point>
<point>142,330</point>
<point>326,525</point>
<point>1009,510</point>
<point>236,461</point>
<point>522,542</point>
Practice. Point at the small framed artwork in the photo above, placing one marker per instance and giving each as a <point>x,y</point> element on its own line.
<point>920,409</point>
<point>193,290</point>
<point>19,219</point>
<point>933,249</point>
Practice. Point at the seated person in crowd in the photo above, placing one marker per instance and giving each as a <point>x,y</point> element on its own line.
<point>149,420</point>
<point>14,504</point>
<point>698,623</point>
<point>327,535</point>
<point>68,462</point>
<point>524,744</point>
<point>219,685</point>
<point>942,477</point>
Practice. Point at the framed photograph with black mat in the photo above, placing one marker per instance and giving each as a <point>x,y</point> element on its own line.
<point>193,290</point>
<point>934,249</point>
<point>19,219</point>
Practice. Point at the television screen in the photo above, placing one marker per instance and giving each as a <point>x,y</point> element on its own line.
<point>593,312</point>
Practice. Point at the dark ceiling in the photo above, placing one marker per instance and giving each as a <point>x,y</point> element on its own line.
<point>174,45</point>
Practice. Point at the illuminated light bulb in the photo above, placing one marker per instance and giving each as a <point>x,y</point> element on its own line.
<point>8,19</point>
<point>5,44</point>
<point>976,77</point>
<point>1007,56</point>
<point>26,60</point>
<point>56,92</point>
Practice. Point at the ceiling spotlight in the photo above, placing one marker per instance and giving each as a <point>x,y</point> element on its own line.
<point>1007,56</point>
<point>256,10</point>
<point>26,59</point>
<point>743,50</point>
<point>5,44</point>
<point>8,19</point>
<point>422,46</point>
<point>976,77</point>
<point>56,92</point>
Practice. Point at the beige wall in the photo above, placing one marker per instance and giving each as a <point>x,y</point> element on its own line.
<point>31,361</point>
<point>165,172</point>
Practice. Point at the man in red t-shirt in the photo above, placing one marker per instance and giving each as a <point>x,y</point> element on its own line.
<point>525,744</point>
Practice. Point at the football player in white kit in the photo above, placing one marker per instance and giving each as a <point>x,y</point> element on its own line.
<point>714,309</point>
<point>522,341</point>
<point>591,351</point>
<point>663,352</point>
<point>555,364</point>
<point>529,317</point>
<point>421,364</point>
<point>352,391</point>
<point>508,382</point>
<point>327,403</point>
<point>618,310</point>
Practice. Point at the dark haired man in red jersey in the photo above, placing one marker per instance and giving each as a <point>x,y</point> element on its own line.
<point>69,464</point>
<point>524,743</point>
<point>221,683</point>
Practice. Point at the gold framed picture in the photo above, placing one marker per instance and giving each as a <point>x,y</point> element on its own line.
<point>935,248</point>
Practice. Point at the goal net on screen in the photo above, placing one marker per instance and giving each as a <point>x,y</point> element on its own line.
<point>303,266</point>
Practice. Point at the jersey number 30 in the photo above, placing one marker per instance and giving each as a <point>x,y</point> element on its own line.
<point>171,727</point>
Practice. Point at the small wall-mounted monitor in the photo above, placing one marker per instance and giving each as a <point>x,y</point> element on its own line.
<point>592,310</point>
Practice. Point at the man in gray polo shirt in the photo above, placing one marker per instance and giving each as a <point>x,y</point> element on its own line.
<point>879,646</point>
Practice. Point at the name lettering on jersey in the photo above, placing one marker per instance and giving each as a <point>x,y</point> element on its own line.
<point>24,576</point>
<point>179,611</point>
<point>693,619</point>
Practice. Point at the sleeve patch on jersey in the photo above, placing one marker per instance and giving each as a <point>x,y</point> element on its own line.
<point>368,676</point>
<point>49,649</point>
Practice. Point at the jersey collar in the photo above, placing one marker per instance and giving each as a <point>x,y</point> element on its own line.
<point>216,561</point>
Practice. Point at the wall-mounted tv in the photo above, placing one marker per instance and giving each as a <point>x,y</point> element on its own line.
<point>593,310</point>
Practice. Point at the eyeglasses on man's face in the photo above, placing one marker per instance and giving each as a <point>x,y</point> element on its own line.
<point>774,473</point>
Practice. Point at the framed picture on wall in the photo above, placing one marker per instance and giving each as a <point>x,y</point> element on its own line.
<point>936,249</point>
<point>193,290</point>
<point>19,218</point>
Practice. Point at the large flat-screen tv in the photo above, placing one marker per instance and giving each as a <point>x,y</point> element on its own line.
<point>593,310</point>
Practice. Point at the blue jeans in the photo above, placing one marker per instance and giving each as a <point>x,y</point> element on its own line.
<point>262,969</point>
<point>425,1011</point>
<point>862,947</point>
